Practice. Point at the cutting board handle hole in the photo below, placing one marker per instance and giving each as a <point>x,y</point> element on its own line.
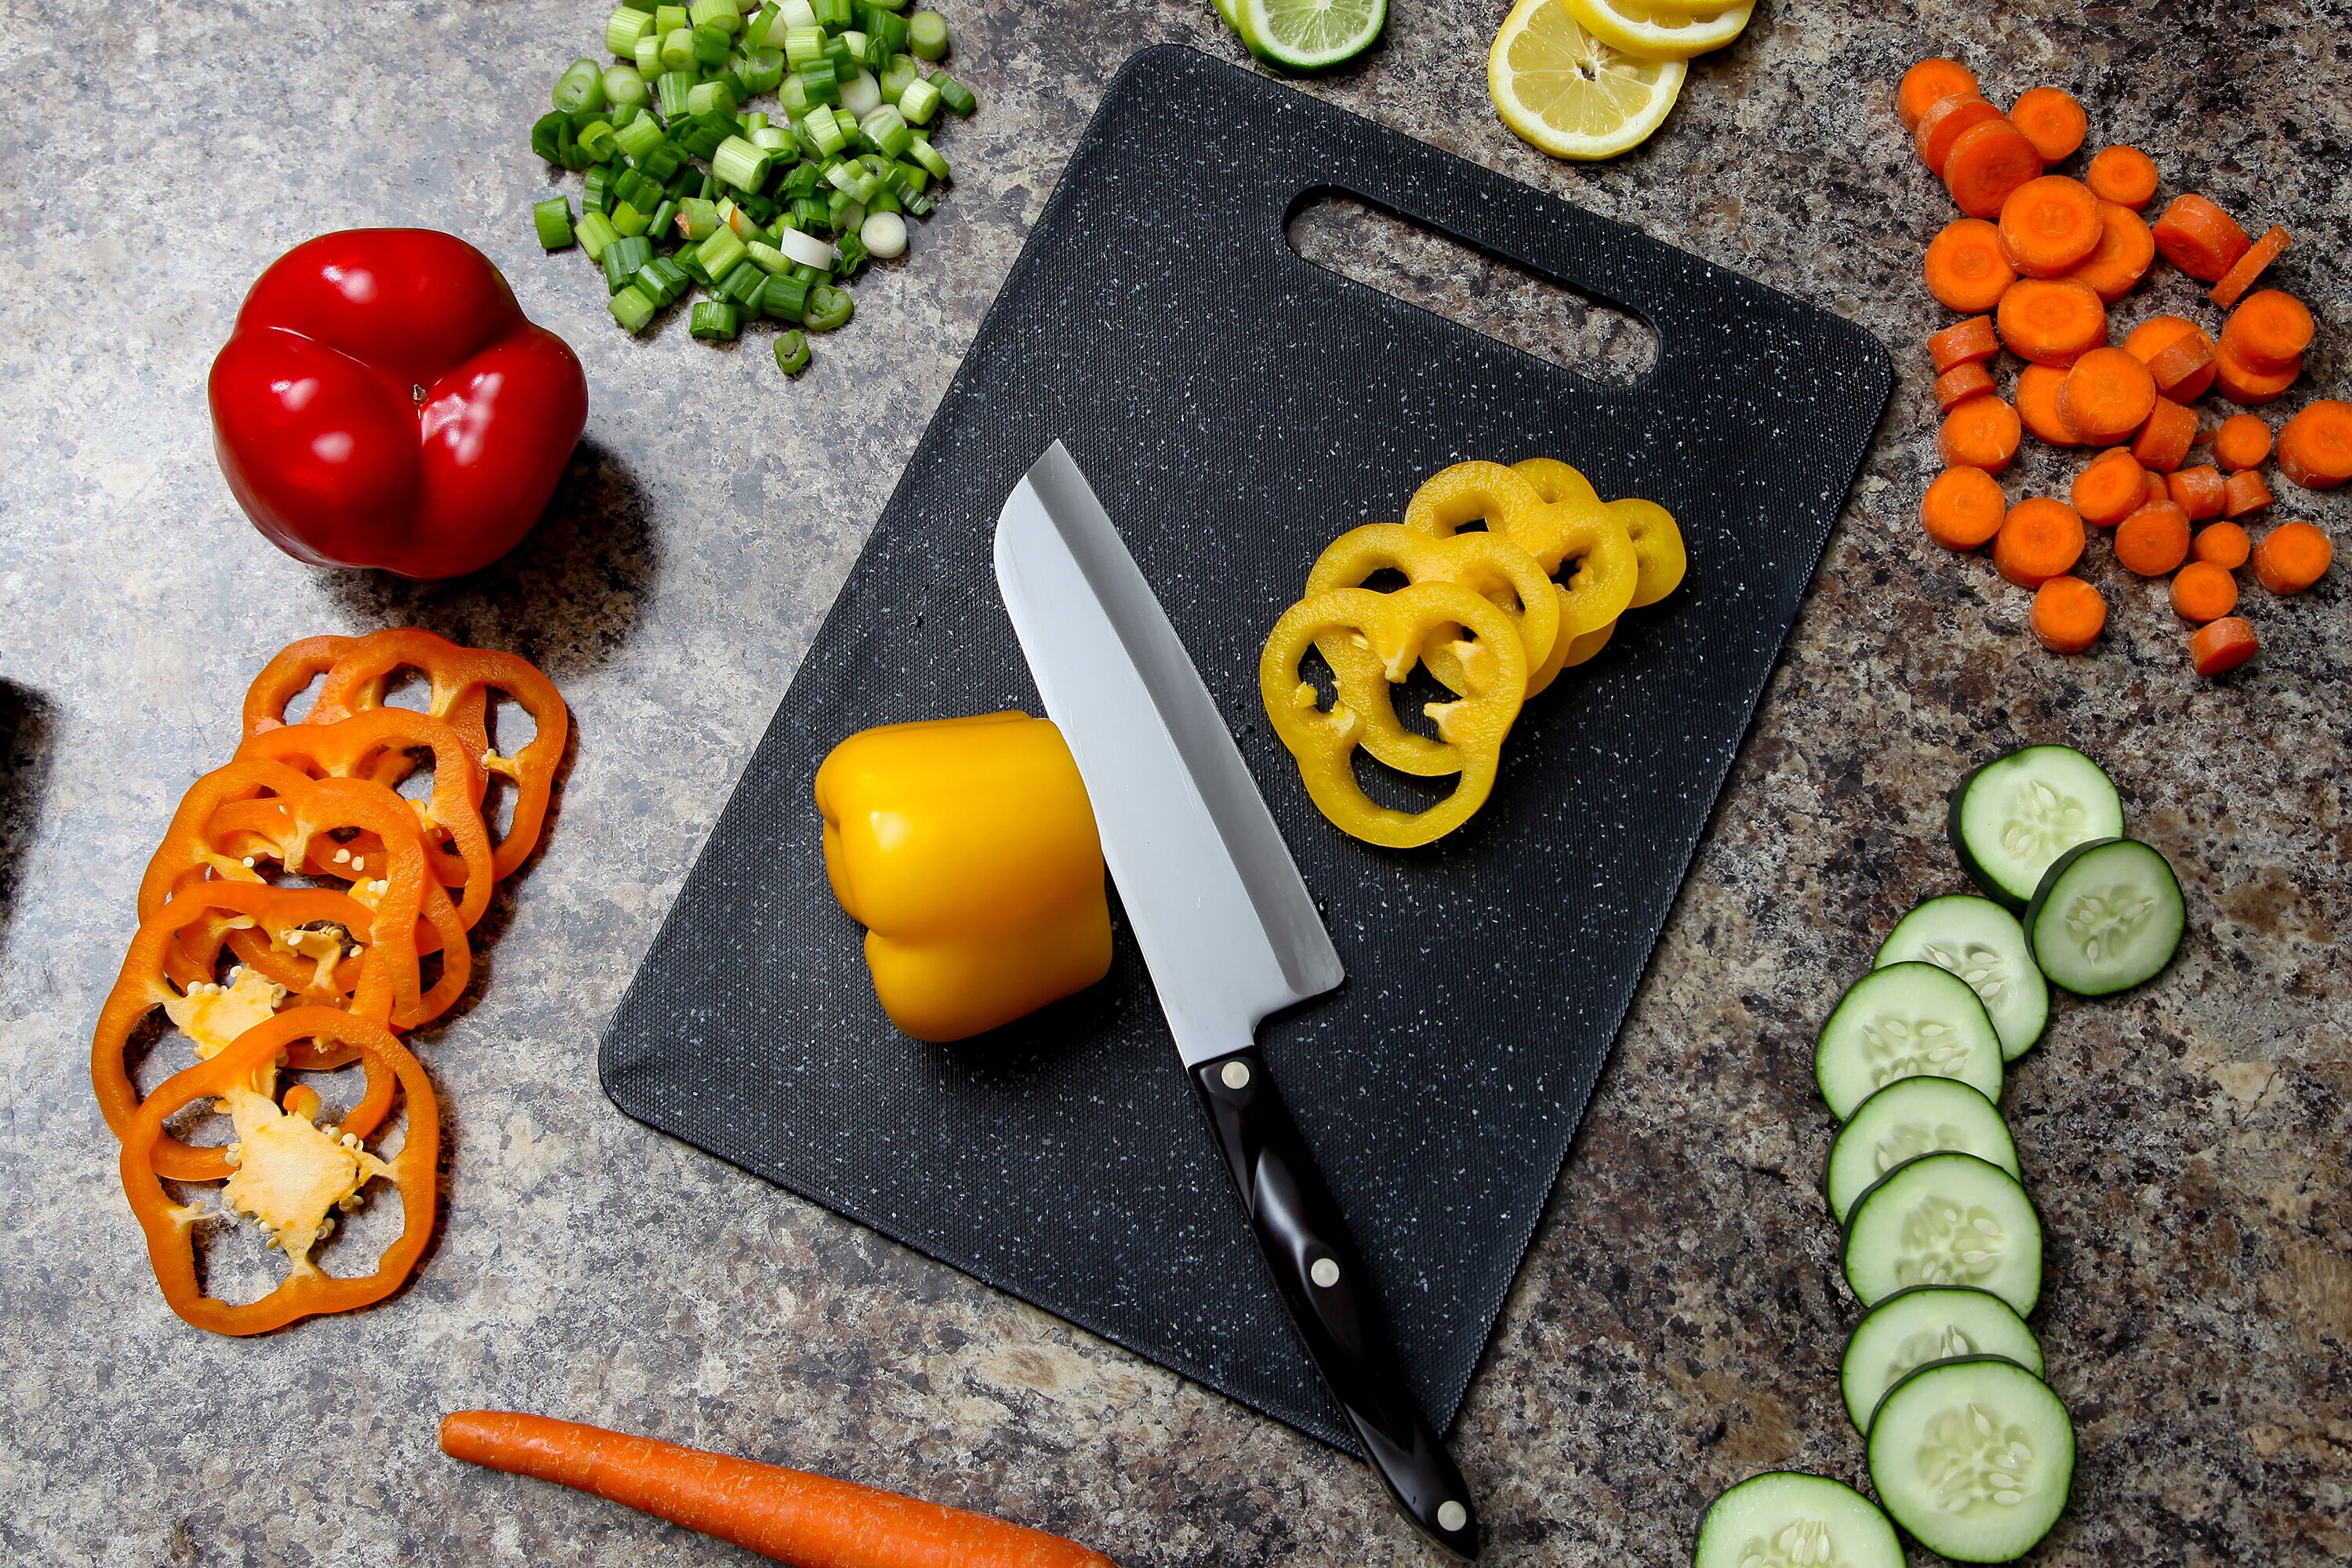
<point>1427,267</point>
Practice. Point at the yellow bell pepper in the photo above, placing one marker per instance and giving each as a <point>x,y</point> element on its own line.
<point>968,850</point>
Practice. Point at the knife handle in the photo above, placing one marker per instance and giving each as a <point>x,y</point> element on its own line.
<point>1323,1282</point>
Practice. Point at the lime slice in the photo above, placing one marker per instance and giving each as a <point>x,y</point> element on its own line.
<point>1661,32</point>
<point>1232,19</point>
<point>1309,34</point>
<point>1572,94</point>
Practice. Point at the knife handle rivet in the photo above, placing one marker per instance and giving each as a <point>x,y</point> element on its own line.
<point>1452,1515</point>
<point>1326,1273</point>
<point>1235,1075</point>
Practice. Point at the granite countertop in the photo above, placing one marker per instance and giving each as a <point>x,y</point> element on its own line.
<point>1677,1323</point>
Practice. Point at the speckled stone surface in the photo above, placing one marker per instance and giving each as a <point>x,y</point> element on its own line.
<point>1678,1321</point>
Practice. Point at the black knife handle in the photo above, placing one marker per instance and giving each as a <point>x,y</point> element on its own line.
<point>1323,1281</point>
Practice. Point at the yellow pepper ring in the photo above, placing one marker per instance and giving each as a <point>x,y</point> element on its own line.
<point>1395,627</point>
<point>1487,563</point>
<point>1657,545</point>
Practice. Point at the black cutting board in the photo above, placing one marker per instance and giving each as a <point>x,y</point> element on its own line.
<point>1235,408</point>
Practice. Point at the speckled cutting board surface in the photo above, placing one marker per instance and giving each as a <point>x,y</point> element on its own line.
<point>1236,407</point>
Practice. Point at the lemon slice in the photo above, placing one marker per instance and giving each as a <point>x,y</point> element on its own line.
<point>1570,93</point>
<point>1309,34</point>
<point>1663,31</point>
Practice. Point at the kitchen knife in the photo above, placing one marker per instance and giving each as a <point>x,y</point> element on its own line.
<point>1226,928</point>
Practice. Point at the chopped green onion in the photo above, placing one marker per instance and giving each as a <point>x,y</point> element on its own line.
<point>886,200</point>
<point>811,276</point>
<point>624,87</point>
<point>740,164</point>
<point>885,235</point>
<point>784,297</point>
<point>792,353</point>
<point>821,84</point>
<point>804,250</point>
<point>710,46</point>
<point>645,5</point>
<point>802,45</point>
<point>639,137</point>
<point>927,35</point>
<point>861,95</point>
<point>721,253</point>
<point>844,211</point>
<point>664,223</point>
<point>632,308</point>
<point>663,163</point>
<point>714,320</point>
<point>711,98</point>
<point>596,192</point>
<point>697,220</point>
<point>734,84</point>
<point>776,141</point>
<point>755,31</point>
<point>828,308</point>
<point>624,28</point>
<point>885,130</point>
<point>648,54</point>
<point>670,88</point>
<point>663,280</point>
<point>627,221</point>
<point>762,71</point>
<point>600,141</point>
<point>901,71</point>
<point>549,134</point>
<point>668,19</point>
<point>767,257</point>
<point>828,133</point>
<point>582,86</point>
<point>853,256</point>
<point>882,28</point>
<point>596,231</point>
<point>920,100</point>
<point>912,177</point>
<point>723,15</point>
<point>552,218</point>
<point>843,58</point>
<point>831,15</point>
<point>620,260</point>
<point>810,214</point>
<point>955,95</point>
<point>797,14</point>
<point>742,286</point>
<point>677,49</point>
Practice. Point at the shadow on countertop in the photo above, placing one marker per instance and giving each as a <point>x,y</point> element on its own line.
<point>26,722</point>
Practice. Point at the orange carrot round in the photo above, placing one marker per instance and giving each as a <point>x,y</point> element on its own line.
<point>2125,175</point>
<point>2248,267</point>
<point>1944,123</point>
<point>2177,353</point>
<point>2125,252</point>
<point>1928,84</point>
<point>2052,321</point>
<point>1962,382</point>
<point>2245,493</point>
<point>1965,267</point>
<point>2314,447</point>
<point>2197,492</point>
<point>2153,540</point>
<point>2269,331</point>
<point>2292,557</point>
<point>2052,120</point>
<point>2109,488</point>
<point>1962,342</point>
<point>2039,408</point>
<point>2225,544</point>
<point>1981,433</point>
<point>2204,592</point>
<point>2157,495</point>
<point>2050,224</point>
<point>1989,160</point>
<point>2105,396</point>
<point>2242,442</point>
<point>2163,443</point>
<point>2222,646</point>
<point>2243,384</point>
<point>791,1516</point>
<point>2040,539</point>
<point>2199,239</point>
<point>1963,508</point>
<point>2068,614</point>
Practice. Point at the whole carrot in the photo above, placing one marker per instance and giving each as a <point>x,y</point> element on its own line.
<point>812,1522</point>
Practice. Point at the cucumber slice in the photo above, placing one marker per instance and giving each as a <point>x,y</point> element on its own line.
<point>1783,1520</point>
<point>2107,917</point>
<point>1912,1117</point>
<point>1974,1457</point>
<point>1906,1020</point>
<point>1924,1323</point>
<point>1946,1219</point>
<point>1982,944</point>
<point>2011,817</point>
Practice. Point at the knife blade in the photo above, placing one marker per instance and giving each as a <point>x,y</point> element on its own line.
<point>1227,930</point>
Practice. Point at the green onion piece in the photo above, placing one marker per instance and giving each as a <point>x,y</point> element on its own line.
<point>723,15</point>
<point>755,31</point>
<point>721,253</point>
<point>663,162</point>
<point>651,282</point>
<point>697,220</point>
<point>852,256</point>
<point>832,137</point>
<point>885,235</point>
<point>620,260</point>
<point>895,77</point>
<point>663,225</point>
<point>855,40</point>
<point>649,55</point>
<point>927,35</point>
<point>955,95</point>
<point>797,14</point>
<point>810,214</point>
<point>784,297</point>
<point>582,86</point>
<point>886,33</point>
<point>811,276</point>
<point>844,211</point>
<point>828,308</point>
<point>624,28</point>
<point>549,133</point>
<point>742,286</point>
<point>843,58</point>
<point>632,308</point>
<point>831,15</point>
<point>911,178</point>
<point>792,97</point>
<point>710,46</point>
<point>861,95</point>
<point>668,19</point>
<point>767,257</point>
<point>670,88</point>
<point>711,98</point>
<point>920,100</point>
<point>820,82</point>
<point>891,5</point>
<point>553,219</point>
<point>776,141</point>
<point>633,188</point>
<point>600,141</point>
<point>645,5</point>
<point>804,250</point>
<point>792,353</point>
<point>735,87</point>
<point>638,138</point>
<point>799,181</point>
<point>714,320</point>
<point>740,164</point>
<point>886,200</point>
<point>762,71</point>
<point>802,45</point>
<point>886,131</point>
<point>596,193</point>
<point>677,49</point>
<point>596,231</point>
<point>627,221</point>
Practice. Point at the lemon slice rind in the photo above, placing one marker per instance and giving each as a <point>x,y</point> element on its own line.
<point>1570,93</point>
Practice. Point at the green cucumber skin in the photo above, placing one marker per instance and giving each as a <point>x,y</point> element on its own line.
<point>1847,995</point>
<point>1879,959</point>
<point>1845,1229</point>
<point>2058,867</point>
<point>2073,1455</point>
<point>1975,868</point>
<point>1829,1159</point>
<point>1886,1552</point>
<point>1862,1422</point>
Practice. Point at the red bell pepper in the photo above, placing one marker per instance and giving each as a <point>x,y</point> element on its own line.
<point>384,402</point>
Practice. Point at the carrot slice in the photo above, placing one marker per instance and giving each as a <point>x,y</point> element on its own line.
<point>2039,406</point>
<point>2068,614</point>
<point>2269,332</point>
<point>1928,84</point>
<point>1962,342</point>
<point>2187,354</point>
<point>2041,538</point>
<point>1981,433</point>
<point>1962,382</point>
<point>1965,267</point>
<point>2314,448</point>
<point>2292,557</point>
<point>2153,540</point>
<point>2157,494</point>
<point>2110,488</point>
<point>2199,239</point>
<point>1962,508</point>
<point>2222,646</point>
<point>2248,267</point>
<point>2126,251</point>
<point>2243,384</point>
<point>2242,442</point>
<point>2052,321</point>
<point>2106,395</point>
<point>2198,492</point>
<point>2244,493</point>
<point>2052,120</point>
<point>2203,591</point>
<point>1943,125</point>
<point>1991,159</point>
<point>2050,224</point>
<point>2163,443</point>
<point>2225,544</point>
<point>2125,175</point>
